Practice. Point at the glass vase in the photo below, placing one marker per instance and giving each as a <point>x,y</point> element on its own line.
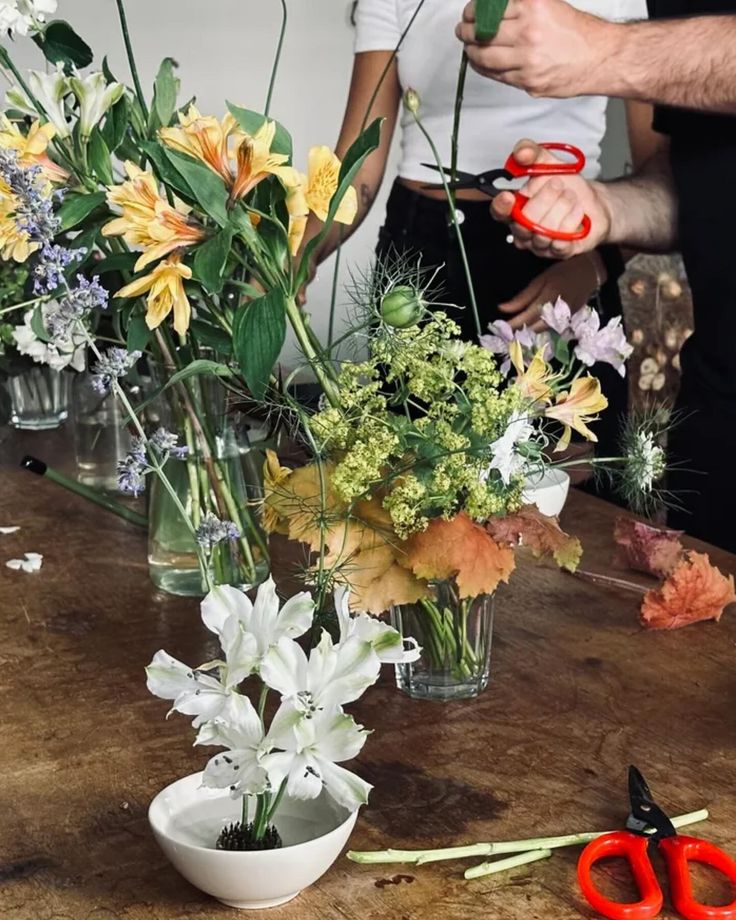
<point>39,398</point>
<point>455,635</point>
<point>101,436</point>
<point>217,484</point>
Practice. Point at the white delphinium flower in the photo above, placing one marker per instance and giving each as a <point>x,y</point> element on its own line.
<point>95,96</point>
<point>51,90</point>
<point>305,753</point>
<point>240,768</point>
<point>386,641</point>
<point>331,676</point>
<point>68,352</point>
<point>504,450</point>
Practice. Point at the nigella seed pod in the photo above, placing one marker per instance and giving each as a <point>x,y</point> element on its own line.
<point>412,101</point>
<point>402,307</point>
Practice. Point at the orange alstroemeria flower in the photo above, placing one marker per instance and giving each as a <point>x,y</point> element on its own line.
<point>576,407</point>
<point>204,138</point>
<point>532,381</point>
<point>148,221</point>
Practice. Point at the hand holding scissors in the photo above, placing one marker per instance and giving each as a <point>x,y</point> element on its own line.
<point>486,182</point>
<point>648,825</point>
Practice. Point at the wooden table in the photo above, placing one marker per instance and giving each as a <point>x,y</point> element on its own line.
<point>579,691</point>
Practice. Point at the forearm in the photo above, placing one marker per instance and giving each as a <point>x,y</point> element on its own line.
<point>642,209</point>
<point>367,185</point>
<point>682,62</point>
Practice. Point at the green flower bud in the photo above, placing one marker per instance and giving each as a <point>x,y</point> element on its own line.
<point>402,307</point>
<point>412,101</point>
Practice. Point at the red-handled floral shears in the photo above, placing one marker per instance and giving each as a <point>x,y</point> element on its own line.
<point>649,826</point>
<point>486,182</point>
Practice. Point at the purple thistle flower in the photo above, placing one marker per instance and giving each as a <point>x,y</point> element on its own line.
<point>213,531</point>
<point>167,442</point>
<point>49,271</point>
<point>113,364</point>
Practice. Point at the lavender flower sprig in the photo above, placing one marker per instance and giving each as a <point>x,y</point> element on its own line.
<point>146,456</point>
<point>213,531</point>
<point>112,365</point>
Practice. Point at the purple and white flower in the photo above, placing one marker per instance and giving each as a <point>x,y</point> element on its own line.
<point>112,365</point>
<point>213,531</point>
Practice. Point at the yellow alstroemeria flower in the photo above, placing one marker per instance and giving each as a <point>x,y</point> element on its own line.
<point>295,184</point>
<point>254,159</point>
<point>532,381</point>
<point>165,286</point>
<point>148,221</point>
<point>204,138</point>
<point>324,173</point>
<point>575,407</point>
<point>31,147</point>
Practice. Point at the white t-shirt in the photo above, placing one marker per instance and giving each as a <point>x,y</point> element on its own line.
<point>494,116</point>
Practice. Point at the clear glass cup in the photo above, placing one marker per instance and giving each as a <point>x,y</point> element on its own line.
<point>455,635</point>
<point>39,398</point>
<point>101,436</point>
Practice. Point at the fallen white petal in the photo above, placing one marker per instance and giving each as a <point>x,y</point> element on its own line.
<point>7,530</point>
<point>31,563</point>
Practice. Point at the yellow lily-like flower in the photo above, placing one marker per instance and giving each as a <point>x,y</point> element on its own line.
<point>165,287</point>
<point>254,159</point>
<point>31,147</point>
<point>204,138</point>
<point>324,173</point>
<point>532,381</point>
<point>575,407</point>
<point>295,184</point>
<point>148,221</point>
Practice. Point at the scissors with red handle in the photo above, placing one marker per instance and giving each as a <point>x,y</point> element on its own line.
<point>486,183</point>
<point>649,826</point>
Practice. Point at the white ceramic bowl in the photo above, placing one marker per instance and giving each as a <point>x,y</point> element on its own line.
<point>547,490</point>
<point>187,818</point>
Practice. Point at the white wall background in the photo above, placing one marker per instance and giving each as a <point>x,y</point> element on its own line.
<point>225,49</point>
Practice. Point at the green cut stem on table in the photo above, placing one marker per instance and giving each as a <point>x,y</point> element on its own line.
<point>503,865</point>
<point>131,58</point>
<point>277,58</point>
<point>453,221</point>
<point>420,857</point>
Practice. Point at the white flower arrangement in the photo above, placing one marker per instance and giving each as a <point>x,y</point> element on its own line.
<point>299,753</point>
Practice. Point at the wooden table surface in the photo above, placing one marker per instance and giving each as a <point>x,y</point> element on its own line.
<point>578,692</point>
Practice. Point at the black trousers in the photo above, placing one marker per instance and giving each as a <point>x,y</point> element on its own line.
<point>419,225</point>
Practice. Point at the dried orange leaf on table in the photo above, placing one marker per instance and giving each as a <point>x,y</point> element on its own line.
<point>645,548</point>
<point>460,549</point>
<point>696,590</point>
<point>542,534</point>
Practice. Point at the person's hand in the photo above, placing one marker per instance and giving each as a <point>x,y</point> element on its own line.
<point>545,47</point>
<point>558,203</point>
<point>575,280</point>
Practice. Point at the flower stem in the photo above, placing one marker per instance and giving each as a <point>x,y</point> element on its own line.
<point>502,865</point>
<point>322,369</point>
<point>131,58</point>
<point>459,96</point>
<point>453,221</point>
<point>276,802</point>
<point>26,303</point>
<point>277,58</point>
<point>420,857</point>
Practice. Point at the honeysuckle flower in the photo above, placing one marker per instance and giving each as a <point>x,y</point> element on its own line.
<point>31,562</point>
<point>240,768</point>
<point>322,182</point>
<point>594,344</point>
<point>196,693</point>
<point>577,406</point>
<point>22,17</point>
<point>255,628</point>
<point>305,753</point>
<point>95,96</point>
<point>204,138</point>
<point>165,287</point>
<point>51,90</point>
<point>331,676</point>
<point>68,351</point>
<point>148,221</point>
<point>505,455</point>
<point>386,641</point>
<point>534,381</point>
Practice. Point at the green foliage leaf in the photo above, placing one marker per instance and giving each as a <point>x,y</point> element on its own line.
<point>164,169</point>
<point>259,332</point>
<point>165,90</point>
<point>354,159</point>
<point>138,333</point>
<point>118,262</point>
<point>77,207</point>
<point>87,239</point>
<point>562,350</point>
<point>207,189</point>
<point>488,16</point>
<point>212,336</point>
<point>37,325</point>
<point>99,158</point>
<point>59,42</point>
<point>250,122</point>
<point>116,124</point>
<point>210,260</point>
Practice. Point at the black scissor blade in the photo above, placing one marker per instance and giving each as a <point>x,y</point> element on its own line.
<point>646,817</point>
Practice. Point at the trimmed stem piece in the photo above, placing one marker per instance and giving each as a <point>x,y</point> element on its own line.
<point>511,862</point>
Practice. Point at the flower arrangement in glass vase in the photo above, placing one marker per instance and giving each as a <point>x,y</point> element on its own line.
<point>268,766</point>
<point>184,230</point>
<point>415,497</point>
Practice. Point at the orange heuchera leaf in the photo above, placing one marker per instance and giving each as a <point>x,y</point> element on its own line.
<point>644,548</point>
<point>542,534</point>
<point>395,586</point>
<point>460,549</point>
<point>696,590</point>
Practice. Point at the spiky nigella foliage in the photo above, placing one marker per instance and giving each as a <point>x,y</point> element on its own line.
<point>239,836</point>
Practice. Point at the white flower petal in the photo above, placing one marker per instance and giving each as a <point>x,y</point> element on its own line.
<point>305,779</point>
<point>296,615</point>
<point>348,789</point>
<point>14,564</point>
<point>223,602</point>
<point>241,653</point>
<point>238,770</point>
<point>166,677</point>
<point>238,728</point>
<point>340,674</point>
<point>265,614</point>
<point>285,668</point>
<point>281,731</point>
<point>7,530</point>
<point>336,735</point>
